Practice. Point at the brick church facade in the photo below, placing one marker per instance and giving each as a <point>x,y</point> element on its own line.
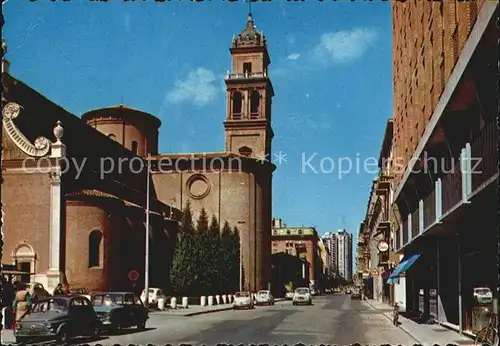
<point>87,226</point>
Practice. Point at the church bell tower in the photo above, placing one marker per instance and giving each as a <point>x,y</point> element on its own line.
<point>249,95</point>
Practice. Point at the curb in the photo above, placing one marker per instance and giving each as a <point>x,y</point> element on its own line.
<point>207,312</point>
<point>386,314</point>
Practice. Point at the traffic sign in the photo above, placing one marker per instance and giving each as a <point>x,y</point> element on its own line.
<point>133,275</point>
<point>382,246</point>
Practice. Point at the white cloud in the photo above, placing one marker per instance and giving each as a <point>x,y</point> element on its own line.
<point>343,46</point>
<point>293,56</point>
<point>199,87</point>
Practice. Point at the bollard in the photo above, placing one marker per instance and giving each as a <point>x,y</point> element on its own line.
<point>224,299</point>
<point>173,303</point>
<point>203,301</point>
<point>210,300</point>
<point>217,299</point>
<point>185,302</point>
<point>4,318</point>
<point>161,304</point>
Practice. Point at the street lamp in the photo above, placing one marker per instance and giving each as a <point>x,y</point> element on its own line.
<point>146,260</point>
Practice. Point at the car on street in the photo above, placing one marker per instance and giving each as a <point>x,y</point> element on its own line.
<point>58,318</point>
<point>356,294</point>
<point>243,300</point>
<point>155,293</point>
<point>483,295</point>
<point>348,291</point>
<point>117,310</point>
<point>302,295</point>
<point>264,297</point>
<point>289,295</point>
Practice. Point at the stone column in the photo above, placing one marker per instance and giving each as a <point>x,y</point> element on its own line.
<point>58,152</point>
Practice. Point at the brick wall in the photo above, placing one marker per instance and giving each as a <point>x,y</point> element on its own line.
<point>427,40</point>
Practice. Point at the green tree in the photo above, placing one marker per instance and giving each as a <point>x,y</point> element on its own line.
<point>201,253</point>
<point>214,252</point>
<point>183,275</point>
<point>234,272</point>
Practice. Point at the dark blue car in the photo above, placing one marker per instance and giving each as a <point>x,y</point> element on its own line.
<point>117,310</point>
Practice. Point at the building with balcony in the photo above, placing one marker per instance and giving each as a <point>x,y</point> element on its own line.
<point>445,137</point>
<point>377,253</point>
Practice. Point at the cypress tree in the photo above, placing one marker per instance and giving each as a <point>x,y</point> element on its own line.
<point>214,255</point>
<point>226,258</point>
<point>183,272</point>
<point>201,250</point>
<point>234,273</point>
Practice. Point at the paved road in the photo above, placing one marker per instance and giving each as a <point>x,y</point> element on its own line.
<point>334,320</point>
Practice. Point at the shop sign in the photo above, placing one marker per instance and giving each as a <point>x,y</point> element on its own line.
<point>382,246</point>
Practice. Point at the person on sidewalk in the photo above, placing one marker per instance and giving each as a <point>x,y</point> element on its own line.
<point>22,302</point>
<point>58,291</point>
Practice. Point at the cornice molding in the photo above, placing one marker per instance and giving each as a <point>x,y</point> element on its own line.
<point>42,145</point>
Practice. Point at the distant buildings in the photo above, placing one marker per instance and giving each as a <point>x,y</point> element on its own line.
<point>340,248</point>
<point>304,243</point>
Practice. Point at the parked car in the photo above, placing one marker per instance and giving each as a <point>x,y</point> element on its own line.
<point>154,294</point>
<point>302,295</point>
<point>80,291</point>
<point>483,295</point>
<point>289,295</point>
<point>243,300</point>
<point>117,310</point>
<point>58,318</point>
<point>348,291</point>
<point>356,294</point>
<point>264,297</point>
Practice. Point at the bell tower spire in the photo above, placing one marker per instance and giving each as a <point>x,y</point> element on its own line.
<point>249,94</point>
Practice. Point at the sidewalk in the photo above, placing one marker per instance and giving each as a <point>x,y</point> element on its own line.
<point>425,334</point>
<point>194,310</point>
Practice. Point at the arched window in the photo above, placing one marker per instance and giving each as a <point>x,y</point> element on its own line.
<point>237,105</point>
<point>24,258</point>
<point>112,136</point>
<point>254,104</point>
<point>95,249</point>
<point>134,147</point>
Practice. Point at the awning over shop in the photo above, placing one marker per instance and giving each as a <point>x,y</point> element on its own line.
<point>403,266</point>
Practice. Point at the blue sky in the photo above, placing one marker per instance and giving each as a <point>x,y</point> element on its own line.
<point>331,67</point>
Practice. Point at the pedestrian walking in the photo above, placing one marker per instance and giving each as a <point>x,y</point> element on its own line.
<point>8,295</point>
<point>22,302</point>
<point>58,291</point>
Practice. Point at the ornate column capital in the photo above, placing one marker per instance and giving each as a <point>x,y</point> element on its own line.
<point>55,177</point>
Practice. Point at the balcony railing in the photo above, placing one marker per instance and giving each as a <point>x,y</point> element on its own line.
<point>254,115</point>
<point>484,155</point>
<point>404,229</point>
<point>237,116</point>
<point>430,209</point>
<point>247,75</point>
<point>414,224</point>
<point>452,187</point>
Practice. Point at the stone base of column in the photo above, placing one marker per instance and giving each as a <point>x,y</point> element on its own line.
<point>54,277</point>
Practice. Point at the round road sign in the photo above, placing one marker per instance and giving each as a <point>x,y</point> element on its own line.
<point>133,275</point>
<point>382,246</point>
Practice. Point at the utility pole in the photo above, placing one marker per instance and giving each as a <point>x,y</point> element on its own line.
<point>146,260</point>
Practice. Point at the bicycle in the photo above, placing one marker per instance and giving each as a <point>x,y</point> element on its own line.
<point>489,334</point>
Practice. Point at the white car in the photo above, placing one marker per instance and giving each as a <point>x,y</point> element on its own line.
<point>302,295</point>
<point>483,295</point>
<point>242,300</point>
<point>264,297</point>
<point>154,294</point>
<point>289,295</point>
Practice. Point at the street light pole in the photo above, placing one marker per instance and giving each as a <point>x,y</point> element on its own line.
<point>241,267</point>
<point>146,260</point>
